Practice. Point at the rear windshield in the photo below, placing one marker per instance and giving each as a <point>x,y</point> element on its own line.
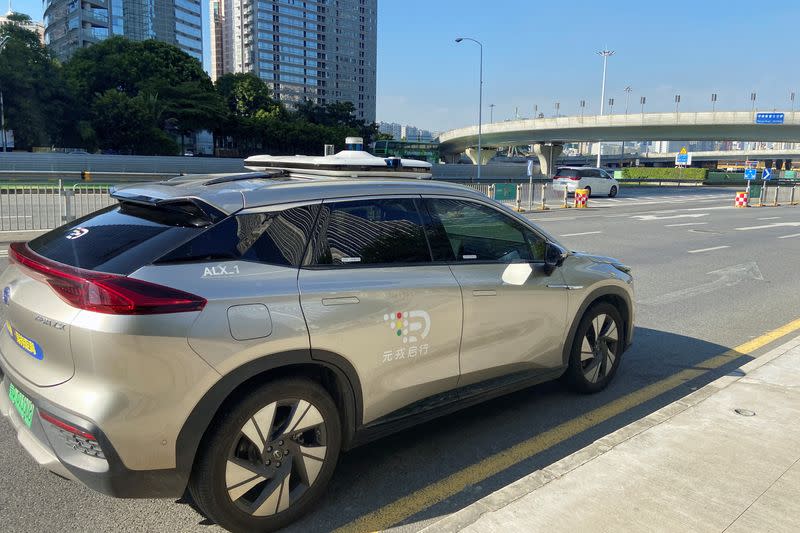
<point>118,239</point>
<point>566,172</point>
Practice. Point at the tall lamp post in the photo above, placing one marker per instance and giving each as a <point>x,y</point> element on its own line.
<point>628,91</point>
<point>753,101</point>
<point>605,55</point>
<point>480,98</point>
<point>491,113</point>
<point>3,42</point>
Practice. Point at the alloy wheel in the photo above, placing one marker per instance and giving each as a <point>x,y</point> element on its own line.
<point>599,348</point>
<point>276,457</point>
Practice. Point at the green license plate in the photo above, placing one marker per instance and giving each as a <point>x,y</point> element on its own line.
<point>23,405</point>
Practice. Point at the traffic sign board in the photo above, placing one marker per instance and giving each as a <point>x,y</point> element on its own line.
<point>767,174</point>
<point>769,118</point>
<point>749,173</point>
<point>683,158</point>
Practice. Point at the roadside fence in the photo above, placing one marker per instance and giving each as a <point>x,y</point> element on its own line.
<point>47,206</point>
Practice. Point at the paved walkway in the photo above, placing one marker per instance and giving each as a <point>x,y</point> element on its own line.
<point>695,465</point>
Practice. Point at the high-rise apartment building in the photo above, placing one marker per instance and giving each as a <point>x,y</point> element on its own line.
<point>73,24</point>
<point>320,50</point>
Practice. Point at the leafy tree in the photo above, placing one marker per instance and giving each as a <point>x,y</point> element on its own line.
<point>156,85</point>
<point>33,89</point>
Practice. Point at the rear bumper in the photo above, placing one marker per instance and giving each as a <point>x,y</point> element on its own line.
<point>52,449</point>
<point>570,186</point>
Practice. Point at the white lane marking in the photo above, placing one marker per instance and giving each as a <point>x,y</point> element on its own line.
<point>9,217</point>
<point>583,233</point>
<point>3,253</point>
<point>767,218</point>
<point>708,249</point>
<point>545,219</point>
<point>789,236</point>
<point>613,200</point>
<point>685,224</point>
<point>773,225</point>
<point>656,217</point>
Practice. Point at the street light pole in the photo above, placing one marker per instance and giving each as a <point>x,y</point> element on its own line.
<point>491,113</point>
<point>791,99</point>
<point>753,102</point>
<point>713,102</point>
<point>628,90</point>
<point>677,103</point>
<point>605,54</point>
<point>480,98</point>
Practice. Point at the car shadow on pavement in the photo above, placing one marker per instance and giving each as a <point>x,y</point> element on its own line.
<point>378,474</point>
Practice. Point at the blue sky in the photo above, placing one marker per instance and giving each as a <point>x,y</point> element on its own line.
<point>538,52</point>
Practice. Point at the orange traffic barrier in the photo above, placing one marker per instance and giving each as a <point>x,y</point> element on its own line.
<point>741,199</point>
<point>581,197</point>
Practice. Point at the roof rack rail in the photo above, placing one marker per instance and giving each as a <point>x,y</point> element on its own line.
<point>246,176</point>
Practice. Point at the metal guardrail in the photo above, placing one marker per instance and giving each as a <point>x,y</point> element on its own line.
<point>41,207</point>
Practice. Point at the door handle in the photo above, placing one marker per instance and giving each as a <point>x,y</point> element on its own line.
<point>484,293</point>
<point>342,300</point>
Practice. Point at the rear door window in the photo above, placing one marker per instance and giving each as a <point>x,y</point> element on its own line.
<point>370,232</point>
<point>121,238</point>
<point>275,238</point>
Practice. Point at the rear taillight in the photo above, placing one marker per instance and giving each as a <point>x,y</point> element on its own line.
<point>102,292</point>
<point>574,178</point>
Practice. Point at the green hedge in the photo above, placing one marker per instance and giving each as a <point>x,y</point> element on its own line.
<point>664,173</point>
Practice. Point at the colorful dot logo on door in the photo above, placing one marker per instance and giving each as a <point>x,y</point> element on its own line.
<point>398,322</point>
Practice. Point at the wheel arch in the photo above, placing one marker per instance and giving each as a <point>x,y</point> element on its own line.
<point>617,297</point>
<point>329,369</point>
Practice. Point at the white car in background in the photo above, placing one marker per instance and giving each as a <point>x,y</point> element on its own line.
<point>596,180</point>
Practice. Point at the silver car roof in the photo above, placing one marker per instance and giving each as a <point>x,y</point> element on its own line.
<point>232,192</point>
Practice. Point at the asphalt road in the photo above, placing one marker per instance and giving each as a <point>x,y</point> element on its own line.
<point>708,277</point>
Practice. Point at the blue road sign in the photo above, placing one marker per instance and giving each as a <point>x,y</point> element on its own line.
<point>749,173</point>
<point>767,174</point>
<point>769,118</point>
<point>682,159</point>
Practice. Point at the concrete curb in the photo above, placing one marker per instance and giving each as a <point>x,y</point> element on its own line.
<point>538,479</point>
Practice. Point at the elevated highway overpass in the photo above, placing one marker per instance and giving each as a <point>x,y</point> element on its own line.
<point>548,135</point>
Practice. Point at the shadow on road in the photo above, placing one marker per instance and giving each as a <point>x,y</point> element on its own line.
<point>377,474</point>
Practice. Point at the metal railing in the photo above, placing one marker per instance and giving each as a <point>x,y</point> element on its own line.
<point>41,207</point>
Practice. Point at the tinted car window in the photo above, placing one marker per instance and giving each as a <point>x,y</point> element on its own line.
<point>566,173</point>
<point>276,238</point>
<point>371,232</point>
<point>479,233</point>
<point>120,238</point>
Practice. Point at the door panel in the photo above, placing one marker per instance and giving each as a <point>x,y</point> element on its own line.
<point>513,320</point>
<point>371,294</point>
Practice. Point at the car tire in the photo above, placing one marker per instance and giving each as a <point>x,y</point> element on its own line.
<point>613,192</point>
<point>588,370</point>
<point>268,456</point>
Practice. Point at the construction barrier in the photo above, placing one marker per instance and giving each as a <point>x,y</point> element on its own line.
<point>741,199</point>
<point>581,197</point>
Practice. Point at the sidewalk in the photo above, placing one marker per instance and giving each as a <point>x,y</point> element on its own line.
<point>695,465</point>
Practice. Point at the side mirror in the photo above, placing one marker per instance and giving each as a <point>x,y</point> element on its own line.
<point>554,257</point>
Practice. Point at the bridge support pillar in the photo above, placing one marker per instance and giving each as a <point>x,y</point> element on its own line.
<point>547,155</point>
<point>486,155</point>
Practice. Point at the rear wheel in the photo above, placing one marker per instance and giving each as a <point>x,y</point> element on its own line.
<point>268,458</point>
<point>613,192</point>
<point>596,349</point>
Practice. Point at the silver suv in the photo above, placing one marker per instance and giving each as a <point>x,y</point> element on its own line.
<point>234,333</point>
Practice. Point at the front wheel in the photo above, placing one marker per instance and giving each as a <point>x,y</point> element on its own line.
<point>268,457</point>
<point>596,349</point>
<point>613,192</point>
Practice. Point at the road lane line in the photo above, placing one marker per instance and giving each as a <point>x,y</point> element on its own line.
<point>582,233</point>
<point>789,236</point>
<point>451,485</point>
<point>685,224</point>
<point>708,249</point>
<point>773,225</point>
<point>767,218</point>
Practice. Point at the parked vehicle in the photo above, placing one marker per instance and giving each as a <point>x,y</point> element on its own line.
<point>596,180</point>
<point>234,333</point>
